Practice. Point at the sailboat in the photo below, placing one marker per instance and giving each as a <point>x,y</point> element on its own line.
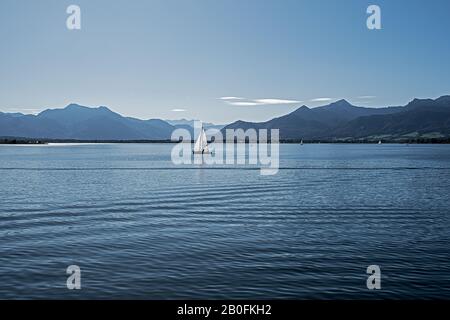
<point>379,142</point>
<point>201,145</point>
<point>301,142</point>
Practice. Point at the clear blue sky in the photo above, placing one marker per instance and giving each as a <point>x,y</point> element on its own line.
<point>147,58</point>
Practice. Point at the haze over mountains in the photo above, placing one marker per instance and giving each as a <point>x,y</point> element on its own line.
<point>421,118</point>
<point>189,125</point>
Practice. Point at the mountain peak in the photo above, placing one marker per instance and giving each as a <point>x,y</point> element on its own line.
<point>337,105</point>
<point>443,99</point>
<point>303,107</point>
<point>423,103</point>
<point>74,106</point>
<point>104,108</point>
<point>420,103</point>
<point>341,103</point>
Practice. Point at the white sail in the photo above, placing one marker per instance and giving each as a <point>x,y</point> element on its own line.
<point>204,142</point>
<point>198,144</point>
<point>201,145</point>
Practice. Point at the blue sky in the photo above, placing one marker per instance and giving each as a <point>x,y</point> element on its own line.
<point>147,58</point>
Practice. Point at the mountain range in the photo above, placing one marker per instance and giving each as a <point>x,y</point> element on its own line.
<point>82,123</point>
<point>421,118</point>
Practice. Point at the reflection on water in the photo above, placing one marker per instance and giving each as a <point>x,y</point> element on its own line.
<point>140,227</point>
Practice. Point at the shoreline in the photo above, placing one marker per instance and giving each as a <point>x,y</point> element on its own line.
<point>24,141</point>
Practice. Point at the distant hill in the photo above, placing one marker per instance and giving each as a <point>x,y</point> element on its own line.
<point>183,123</point>
<point>189,126</point>
<point>82,123</point>
<point>419,119</point>
<point>341,120</point>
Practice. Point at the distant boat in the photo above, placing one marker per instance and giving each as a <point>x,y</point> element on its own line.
<point>379,142</point>
<point>201,145</point>
<point>301,142</point>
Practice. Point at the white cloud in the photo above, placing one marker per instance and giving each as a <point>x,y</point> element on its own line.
<point>244,103</point>
<point>178,110</point>
<point>321,99</point>
<point>231,98</point>
<point>276,101</point>
<point>256,102</point>
<point>366,97</point>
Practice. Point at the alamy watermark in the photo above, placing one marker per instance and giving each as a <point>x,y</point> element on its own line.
<point>249,147</point>
<point>74,280</point>
<point>374,280</point>
<point>374,20</point>
<point>73,21</point>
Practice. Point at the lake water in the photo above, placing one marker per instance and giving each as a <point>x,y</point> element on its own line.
<point>140,227</point>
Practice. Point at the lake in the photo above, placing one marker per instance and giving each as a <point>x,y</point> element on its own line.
<point>141,227</point>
